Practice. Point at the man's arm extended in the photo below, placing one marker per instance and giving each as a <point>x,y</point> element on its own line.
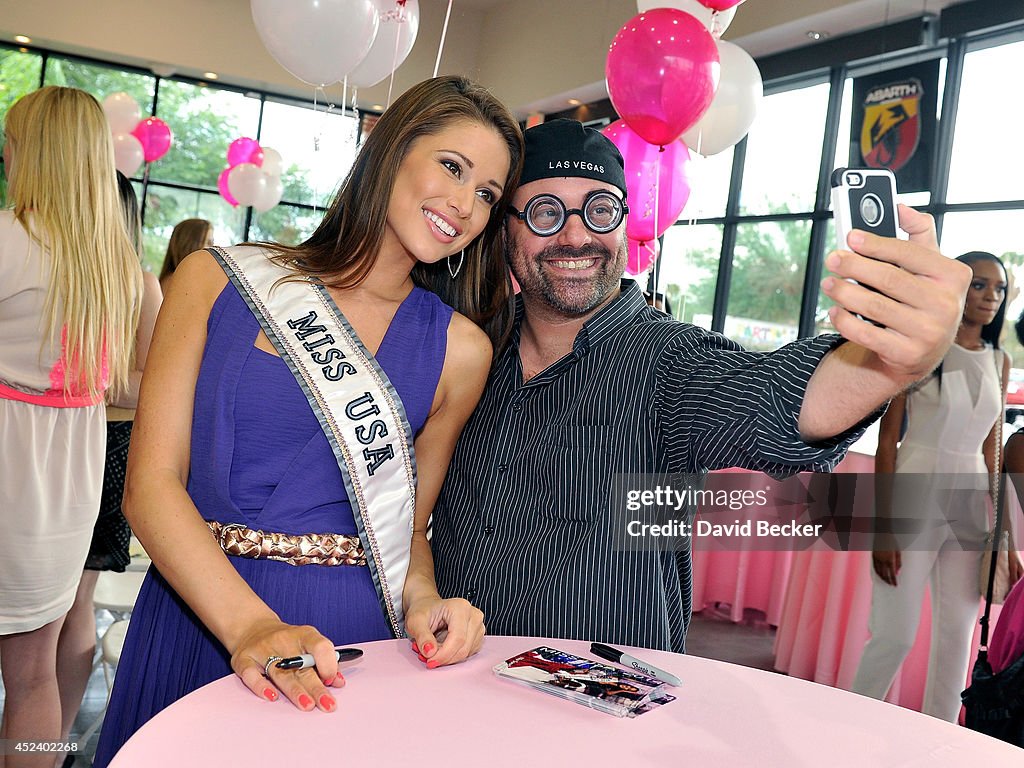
<point>919,302</point>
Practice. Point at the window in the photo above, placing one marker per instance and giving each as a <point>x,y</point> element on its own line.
<point>987,162</point>
<point>101,80</point>
<point>780,172</point>
<point>688,271</point>
<point>204,122</point>
<point>317,148</point>
<point>20,72</point>
<point>166,206</point>
<point>769,263</point>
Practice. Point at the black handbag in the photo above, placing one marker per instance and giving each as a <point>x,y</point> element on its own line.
<point>994,702</point>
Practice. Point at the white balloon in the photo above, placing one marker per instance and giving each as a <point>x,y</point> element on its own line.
<point>716,24</point>
<point>122,112</point>
<point>398,26</point>
<point>318,41</point>
<point>273,163</point>
<point>128,153</point>
<point>270,194</point>
<point>734,107</point>
<point>246,182</point>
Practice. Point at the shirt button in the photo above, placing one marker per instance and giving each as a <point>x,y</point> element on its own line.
<point>517,408</point>
<point>470,593</point>
<point>489,530</point>
<point>503,467</point>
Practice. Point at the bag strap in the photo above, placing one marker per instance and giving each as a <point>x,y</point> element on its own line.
<point>998,486</point>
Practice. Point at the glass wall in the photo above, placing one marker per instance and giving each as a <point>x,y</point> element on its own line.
<point>317,146</point>
<point>771,244</point>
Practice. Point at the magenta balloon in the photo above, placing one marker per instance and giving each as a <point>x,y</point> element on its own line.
<point>641,256</point>
<point>662,70</point>
<point>155,136</point>
<point>655,181</point>
<point>245,150</point>
<point>719,5</point>
<point>222,185</point>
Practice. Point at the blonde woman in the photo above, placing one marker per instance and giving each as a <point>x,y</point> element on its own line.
<point>188,236</point>
<point>70,288</point>
<point>111,535</point>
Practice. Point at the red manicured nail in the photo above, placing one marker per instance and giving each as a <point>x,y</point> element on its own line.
<point>415,648</point>
<point>270,694</point>
<point>432,664</point>
<point>327,703</point>
<point>305,701</point>
<point>428,648</point>
<point>328,681</point>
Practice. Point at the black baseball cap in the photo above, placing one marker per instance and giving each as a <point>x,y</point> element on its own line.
<point>564,147</point>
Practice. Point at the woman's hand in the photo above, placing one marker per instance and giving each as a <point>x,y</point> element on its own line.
<point>887,563</point>
<point>305,688</point>
<point>1016,567</point>
<point>454,623</point>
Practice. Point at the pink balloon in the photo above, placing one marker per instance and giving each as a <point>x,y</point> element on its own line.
<point>662,71</point>
<point>657,181</point>
<point>156,137</point>
<point>641,256</point>
<point>245,150</point>
<point>222,185</point>
<point>719,5</point>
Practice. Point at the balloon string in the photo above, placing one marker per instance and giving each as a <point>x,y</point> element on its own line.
<point>444,31</point>
<point>694,215</point>
<point>394,58</point>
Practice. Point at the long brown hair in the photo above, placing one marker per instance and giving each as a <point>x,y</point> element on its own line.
<point>344,248</point>
<point>187,236</point>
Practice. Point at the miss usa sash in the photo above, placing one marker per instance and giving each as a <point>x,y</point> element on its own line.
<point>357,407</point>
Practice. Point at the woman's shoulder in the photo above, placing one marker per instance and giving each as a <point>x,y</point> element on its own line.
<point>468,344</point>
<point>199,278</point>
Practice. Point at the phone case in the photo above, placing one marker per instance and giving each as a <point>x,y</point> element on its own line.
<point>619,692</point>
<point>865,199</point>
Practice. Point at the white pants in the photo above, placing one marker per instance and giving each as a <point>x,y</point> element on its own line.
<point>896,612</point>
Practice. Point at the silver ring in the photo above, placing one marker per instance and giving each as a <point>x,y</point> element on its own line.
<point>266,667</point>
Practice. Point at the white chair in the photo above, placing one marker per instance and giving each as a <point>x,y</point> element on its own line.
<point>117,592</point>
<point>110,654</point>
<point>139,558</point>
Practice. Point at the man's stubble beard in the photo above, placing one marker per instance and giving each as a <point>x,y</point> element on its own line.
<point>572,298</point>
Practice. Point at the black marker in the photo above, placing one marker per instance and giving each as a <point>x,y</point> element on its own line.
<point>620,657</point>
<point>305,661</point>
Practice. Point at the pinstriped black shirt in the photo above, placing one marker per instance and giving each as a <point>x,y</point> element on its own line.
<point>521,528</point>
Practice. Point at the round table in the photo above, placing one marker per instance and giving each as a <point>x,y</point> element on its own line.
<point>395,712</point>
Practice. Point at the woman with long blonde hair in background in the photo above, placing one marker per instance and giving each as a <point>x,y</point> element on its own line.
<point>70,290</point>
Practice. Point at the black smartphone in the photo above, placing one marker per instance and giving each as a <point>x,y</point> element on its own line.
<point>863,198</point>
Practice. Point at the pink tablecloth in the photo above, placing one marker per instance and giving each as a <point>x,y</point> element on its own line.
<point>824,621</point>
<point>394,712</point>
<point>740,579</point>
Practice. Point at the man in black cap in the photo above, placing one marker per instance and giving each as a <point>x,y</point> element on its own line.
<point>596,385</point>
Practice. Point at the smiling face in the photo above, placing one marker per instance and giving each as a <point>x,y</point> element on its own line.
<point>446,186</point>
<point>986,294</point>
<point>574,271</point>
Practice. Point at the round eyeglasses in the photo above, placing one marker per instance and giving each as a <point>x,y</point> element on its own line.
<point>546,214</point>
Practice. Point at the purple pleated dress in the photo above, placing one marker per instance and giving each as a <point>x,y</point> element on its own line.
<point>259,457</point>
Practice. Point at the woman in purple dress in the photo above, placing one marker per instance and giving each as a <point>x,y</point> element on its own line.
<point>231,438</point>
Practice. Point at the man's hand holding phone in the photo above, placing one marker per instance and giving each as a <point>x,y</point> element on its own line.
<point>915,298</point>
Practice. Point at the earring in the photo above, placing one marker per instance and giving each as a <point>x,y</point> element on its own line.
<point>455,272</point>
